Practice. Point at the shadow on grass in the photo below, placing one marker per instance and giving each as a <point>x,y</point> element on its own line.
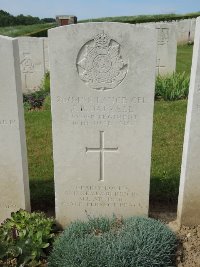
<point>42,196</point>
<point>164,192</point>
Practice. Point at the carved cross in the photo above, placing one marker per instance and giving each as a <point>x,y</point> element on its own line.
<point>101,150</point>
<point>159,66</point>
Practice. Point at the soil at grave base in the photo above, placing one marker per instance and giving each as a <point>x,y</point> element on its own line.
<point>188,252</point>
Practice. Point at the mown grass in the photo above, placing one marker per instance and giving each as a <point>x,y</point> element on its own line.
<point>21,30</point>
<point>184,58</point>
<point>168,132</point>
<point>40,159</point>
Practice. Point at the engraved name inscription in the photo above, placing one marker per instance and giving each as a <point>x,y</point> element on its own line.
<point>163,36</point>
<point>7,123</point>
<point>100,64</point>
<point>104,111</point>
<point>8,205</point>
<point>100,196</point>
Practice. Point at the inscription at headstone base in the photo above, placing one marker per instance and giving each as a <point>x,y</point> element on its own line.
<point>102,80</point>
<point>14,185</point>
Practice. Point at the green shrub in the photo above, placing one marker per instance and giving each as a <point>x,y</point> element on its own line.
<point>26,238</point>
<point>27,106</point>
<point>172,87</point>
<point>46,83</point>
<point>133,242</point>
<point>35,100</point>
<point>47,103</point>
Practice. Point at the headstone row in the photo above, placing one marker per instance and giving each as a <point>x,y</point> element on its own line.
<point>102,93</point>
<point>34,57</point>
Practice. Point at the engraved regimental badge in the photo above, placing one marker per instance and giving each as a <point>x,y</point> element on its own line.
<point>100,64</point>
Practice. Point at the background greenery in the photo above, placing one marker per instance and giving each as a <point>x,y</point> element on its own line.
<point>145,18</point>
<point>21,30</point>
<point>6,19</point>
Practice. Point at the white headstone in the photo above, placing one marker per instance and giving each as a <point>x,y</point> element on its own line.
<point>46,54</point>
<point>183,29</point>
<point>167,48</point>
<point>192,30</point>
<point>32,63</point>
<point>102,80</point>
<point>14,185</point>
<point>189,191</point>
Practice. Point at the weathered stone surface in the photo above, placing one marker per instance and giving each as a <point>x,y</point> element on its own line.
<point>183,31</point>
<point>14,185</point>
<point>102,90</point>
<point>46,54</point>
<point>192,30</point>
<point>32,63</point>
<point>167,48</point>
<point>189,192</point>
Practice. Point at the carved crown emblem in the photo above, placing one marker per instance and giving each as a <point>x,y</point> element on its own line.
<point>101,65</point>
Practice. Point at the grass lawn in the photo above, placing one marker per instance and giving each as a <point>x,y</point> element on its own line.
<point>40,159</point>
<point>168,132</point>
<point>184,58</point>
<point>20,30</point>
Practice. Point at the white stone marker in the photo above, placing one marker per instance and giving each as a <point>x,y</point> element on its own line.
<point>102,90</point>
<point>183,30</point>
<point>192,30</point>
<point>32,63</point>
<point>189,191</point>
<point>46,54</point>
<point>167,49</point>
<point>14,185</point>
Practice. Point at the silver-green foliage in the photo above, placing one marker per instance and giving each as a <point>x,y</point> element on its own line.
<point>172,87</point>
<point>103,242</point>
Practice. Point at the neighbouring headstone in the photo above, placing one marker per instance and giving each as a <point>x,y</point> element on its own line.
<point>189,191</point>
<point>32,63</point>
<point>46,54</point>
<point>167,48</point>
<point>192,30</point>
<point>14,184</point>
<point>102,91</point>
<point>183,31</point>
